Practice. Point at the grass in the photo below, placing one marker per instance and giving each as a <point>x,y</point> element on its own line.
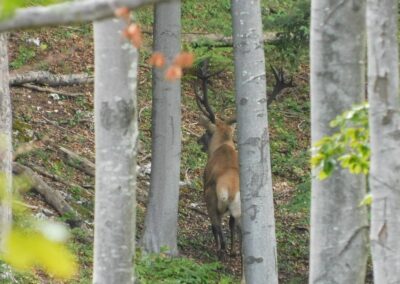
<point>11,276</point>
<point>84,252</point>
<point>164,269</point>
<point>24,56</point>
<point>289,157</point>
<point>289,123</point>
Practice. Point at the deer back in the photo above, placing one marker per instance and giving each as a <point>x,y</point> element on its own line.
<point>222,169</point>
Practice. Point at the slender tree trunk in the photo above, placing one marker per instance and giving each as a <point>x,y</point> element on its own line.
<point>116,135</point>
<point>258,223</point>
<point>5,143</point>
<point>162,210</point>
<point>338,224</point>
<point>383,92</point>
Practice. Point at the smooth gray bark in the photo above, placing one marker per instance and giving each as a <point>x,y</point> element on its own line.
<point>116,135</point>
<point>78,11</point>
<point>338,225</point>
<point>258,223</point>
<point>383,92</point>
<point>5,143</point>
<point>162,209</point>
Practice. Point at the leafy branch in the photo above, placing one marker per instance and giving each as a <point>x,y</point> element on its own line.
<point>348,148</point>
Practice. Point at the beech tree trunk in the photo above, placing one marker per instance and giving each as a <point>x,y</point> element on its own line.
<point>338,224</point>
<point>258,223</point>
<point>116,135</point>
<point>162,209</point>
<point>383,93</point>
<point>5,143</point>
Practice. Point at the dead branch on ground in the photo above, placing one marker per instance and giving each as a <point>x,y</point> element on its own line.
<point>49,79</point>
<point>52,197</point>
<point>54,177</point>
<point>51,90</point>
<point>197,210</point>
<point>78,162</point>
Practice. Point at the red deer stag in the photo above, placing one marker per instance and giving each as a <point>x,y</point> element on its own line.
<point>221,174</point>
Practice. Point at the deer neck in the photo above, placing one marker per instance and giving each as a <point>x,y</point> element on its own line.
<point>217,142</point>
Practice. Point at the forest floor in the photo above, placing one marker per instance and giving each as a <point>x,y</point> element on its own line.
<point>50,121</point>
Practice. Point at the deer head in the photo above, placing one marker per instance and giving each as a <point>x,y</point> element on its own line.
<point>218,131</point>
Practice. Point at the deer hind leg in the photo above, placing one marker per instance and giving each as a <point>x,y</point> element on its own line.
<point>218,236</point>
<point>232,227</point>
<point>215,218</point>
<point>234,222</point>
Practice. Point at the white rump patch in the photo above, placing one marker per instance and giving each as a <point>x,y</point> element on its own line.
<point>222,196</point>
<point>234,207</point>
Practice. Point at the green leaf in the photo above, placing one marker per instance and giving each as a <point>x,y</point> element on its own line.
<point>367,200</point>
<point>349,145</point>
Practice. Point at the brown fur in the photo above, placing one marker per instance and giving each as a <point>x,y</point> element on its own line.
<point>221,181</point>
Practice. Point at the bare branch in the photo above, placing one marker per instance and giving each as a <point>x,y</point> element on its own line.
<point>78,11</point>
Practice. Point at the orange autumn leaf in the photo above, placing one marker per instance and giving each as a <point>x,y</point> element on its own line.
<point>157,59</point>
<point>134,34</point>
<point>174,72</point>
<point>137,40</point>
<point>133,29</point>
<point>123,13</point>
<point>184,59</point>
<point>125,33</point>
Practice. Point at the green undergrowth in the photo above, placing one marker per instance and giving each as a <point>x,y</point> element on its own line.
<point>160,268</point>
<point>10,276</point>
<point>289,129</point>
<point>197,16</point>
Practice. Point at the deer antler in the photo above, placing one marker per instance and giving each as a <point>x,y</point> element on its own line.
<point>202,100</point>
<point>280,83</point>
<point>202,103</point>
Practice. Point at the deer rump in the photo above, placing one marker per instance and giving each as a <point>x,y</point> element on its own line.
<point>222,195</point>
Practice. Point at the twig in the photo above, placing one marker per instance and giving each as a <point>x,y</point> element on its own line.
<point>91,186</point>
<point>191,132</point>
<point>299,126</point>
<point>201,212</point>
<point>51,90</point>
<point>144,158</point>
<point>141,111</point>
<point>25,205</point>
<point>54,123</point>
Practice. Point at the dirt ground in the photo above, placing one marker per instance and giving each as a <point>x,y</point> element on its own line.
<point>50,121</point>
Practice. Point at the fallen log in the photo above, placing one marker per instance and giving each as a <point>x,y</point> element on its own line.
<point>217,40</point>
<point>78,162</point>
<point>54,177</point>
<point>52,197</point>
<point>49,79</point>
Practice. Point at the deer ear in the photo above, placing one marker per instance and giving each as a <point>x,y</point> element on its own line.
<point>230,120</point>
